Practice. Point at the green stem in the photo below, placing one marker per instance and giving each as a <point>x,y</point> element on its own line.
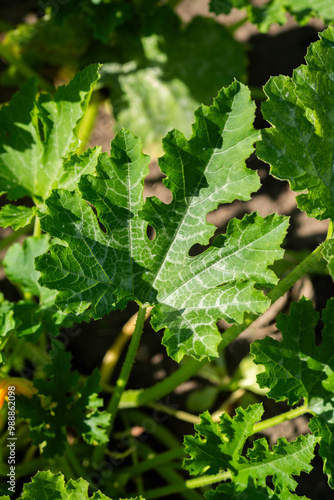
<point>187,370</point>
<point>286,283</point>
<point>24,69</point>
<point>37,227</point>
<point>126,368</point>
<point>88,122</point>
<point>190,484</point>
<point>122,379</point>
<point>134,456</point>
<point>152,462</point>
<point>278,419</point>
<point>179,414</point>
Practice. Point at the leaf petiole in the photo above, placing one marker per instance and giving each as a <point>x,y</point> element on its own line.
<point>123,378</point>
<point>283,417</point>
<point>190,484</point>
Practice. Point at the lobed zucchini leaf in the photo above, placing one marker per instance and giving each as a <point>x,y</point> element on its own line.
<point>61,402</point>
<point>42,134</point>
<point>110,259</point>
<point>300,145</point>
<point>296,368</point>
<point>47,486</point>
<point>219,446</point>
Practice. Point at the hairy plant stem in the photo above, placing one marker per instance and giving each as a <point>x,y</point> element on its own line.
<point>192,366</point>
<point>153,461</point>
<point>286,283</point>
<point>37,227</point>
<point>283,417</point>
<point>190,484</point>
<point>122,379</point>
<point>88,122</point>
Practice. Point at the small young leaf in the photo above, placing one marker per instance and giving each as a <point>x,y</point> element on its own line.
<point>109,258</point>
<point>300,145</point>
<point>216,446</point>
<point>219,446</point>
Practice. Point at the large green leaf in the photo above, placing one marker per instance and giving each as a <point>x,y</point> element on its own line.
<point>102,267</point>
<point>219,446</point>
<point>151,106</point>
<point>47,486</point>
<point>41,133</point>
<point>216,445</point>
<point>195,57</point>
<point>300,146</point>
<point>296,368</point>
<point>181,74</point>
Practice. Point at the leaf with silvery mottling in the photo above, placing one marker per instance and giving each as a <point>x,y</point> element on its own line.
<point>110,260</point>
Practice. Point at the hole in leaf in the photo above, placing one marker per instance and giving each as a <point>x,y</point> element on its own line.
<point>151,233</point>
<point>102,227</point>
<point>154,185</point>
<point>197,249</point>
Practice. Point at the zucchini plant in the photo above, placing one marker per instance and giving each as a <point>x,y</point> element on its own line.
<point>90,254</point>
